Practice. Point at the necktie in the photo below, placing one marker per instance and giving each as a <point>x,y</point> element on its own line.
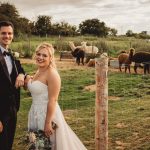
<point>6,53</point>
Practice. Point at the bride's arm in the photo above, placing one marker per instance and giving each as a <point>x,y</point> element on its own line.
<point>54,83</point>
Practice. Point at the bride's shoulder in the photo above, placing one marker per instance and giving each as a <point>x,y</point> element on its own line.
<point>53,74</point>
<point>52,71</point>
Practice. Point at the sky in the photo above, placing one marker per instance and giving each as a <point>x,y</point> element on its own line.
<point>122,15</point>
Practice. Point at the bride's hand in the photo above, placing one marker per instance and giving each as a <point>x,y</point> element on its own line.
<point>48,129</point>
<point>28,77</point>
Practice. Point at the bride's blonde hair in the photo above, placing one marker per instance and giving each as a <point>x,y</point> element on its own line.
<point>50,49</point>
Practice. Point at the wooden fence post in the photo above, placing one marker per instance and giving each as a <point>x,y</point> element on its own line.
<point>101,108</point>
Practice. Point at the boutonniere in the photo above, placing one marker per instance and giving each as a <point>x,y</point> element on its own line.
<point>14,54</point>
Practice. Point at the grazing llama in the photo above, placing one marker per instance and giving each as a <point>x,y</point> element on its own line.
<point>89,49</point>
<point>72,46</point>
<point>124,58</point>
<point>141,57</point>
<point>83,46</point>
<point>78,54</point>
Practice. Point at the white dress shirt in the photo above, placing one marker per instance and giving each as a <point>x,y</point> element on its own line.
<point>7,60</point>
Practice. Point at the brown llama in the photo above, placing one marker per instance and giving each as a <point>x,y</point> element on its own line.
<point>91,63</point>
<point>124,58</point>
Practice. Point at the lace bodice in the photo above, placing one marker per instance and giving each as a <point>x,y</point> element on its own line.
<point>38,91</point>
<point>38,110</point>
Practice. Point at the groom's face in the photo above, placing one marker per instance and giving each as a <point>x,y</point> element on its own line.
<point>6,36</point>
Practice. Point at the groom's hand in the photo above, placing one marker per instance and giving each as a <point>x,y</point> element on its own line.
<point>19,81</point>
<point>1,127</point>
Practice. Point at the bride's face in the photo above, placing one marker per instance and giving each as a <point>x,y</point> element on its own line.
<point>43,58</point>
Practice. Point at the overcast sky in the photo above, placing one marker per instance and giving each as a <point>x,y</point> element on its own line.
<point>122,15</point>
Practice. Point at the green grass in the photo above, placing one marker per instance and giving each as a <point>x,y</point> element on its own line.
<point>131,110</point>
<point>135,116</point>
<point>126,85</point>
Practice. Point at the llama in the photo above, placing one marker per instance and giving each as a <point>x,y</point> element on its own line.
<point>91,63</point>
<point>124,58</point>
<point>79,54</point>
<point>73,47</point>
<point>141,57</point>
<point>89,49</point>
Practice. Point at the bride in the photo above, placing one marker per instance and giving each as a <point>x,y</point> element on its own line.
<point>45,87</point>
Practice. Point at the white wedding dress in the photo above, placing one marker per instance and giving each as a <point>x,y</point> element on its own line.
<point>65,138</point>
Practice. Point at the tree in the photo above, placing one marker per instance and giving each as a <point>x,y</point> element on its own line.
<point>67,29</point>
<point>63,28</point>
<point>43,25</point>
<point>93,27</point>
<point>112,31</point>
<point>24,25</point>
<point>144,35</point>
<point>9,12</point>
<point>55,29</point>
<point>32,28</point>
<point>129,33</point>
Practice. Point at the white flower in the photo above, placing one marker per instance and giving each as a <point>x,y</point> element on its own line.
<point>32,137</point>
<point>16,54</point>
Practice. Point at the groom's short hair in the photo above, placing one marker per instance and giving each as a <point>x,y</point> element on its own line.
<point>6,23</point>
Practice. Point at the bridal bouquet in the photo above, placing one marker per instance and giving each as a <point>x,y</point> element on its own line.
<point>37,140</point>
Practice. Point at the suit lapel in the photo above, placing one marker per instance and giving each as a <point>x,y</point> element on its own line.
<point>14,65</point>
<point>3,63</point>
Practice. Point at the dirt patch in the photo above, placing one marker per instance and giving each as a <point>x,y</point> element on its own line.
<point>114,98</point>
<point>121,125</point>
<point>68,112</point>
<point>66,64</point>
<point>92,88</point>
<point>27,61</point>
<point>121,145</point>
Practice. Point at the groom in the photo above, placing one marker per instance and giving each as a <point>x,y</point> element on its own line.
<point>11,79</point>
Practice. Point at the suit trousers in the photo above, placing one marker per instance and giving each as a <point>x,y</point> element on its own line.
<point>8,133</point>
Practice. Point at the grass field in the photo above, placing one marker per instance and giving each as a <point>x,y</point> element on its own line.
<point>128,113</point>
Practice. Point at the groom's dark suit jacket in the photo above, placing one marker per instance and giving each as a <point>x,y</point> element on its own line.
<point>9,95</point>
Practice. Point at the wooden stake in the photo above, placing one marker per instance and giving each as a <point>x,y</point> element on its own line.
<point>101,111</point>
